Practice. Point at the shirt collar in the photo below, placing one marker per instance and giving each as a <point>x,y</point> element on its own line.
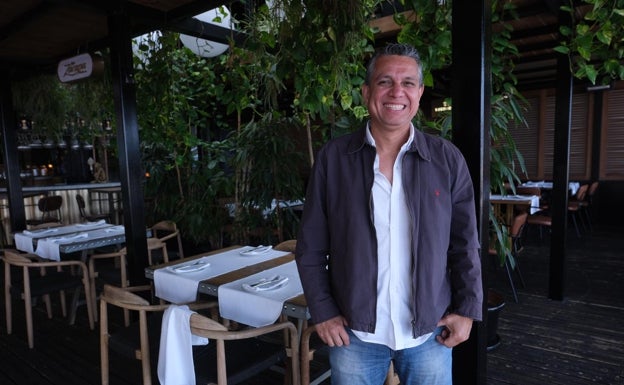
<point>370,140</point>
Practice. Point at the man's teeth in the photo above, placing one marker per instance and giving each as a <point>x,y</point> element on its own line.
<point>396,107</point>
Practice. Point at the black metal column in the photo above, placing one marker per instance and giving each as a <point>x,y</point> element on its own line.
<point>11,156</point>
<point>471,91</point>
<point>561,160</point>
<point>130,173</point>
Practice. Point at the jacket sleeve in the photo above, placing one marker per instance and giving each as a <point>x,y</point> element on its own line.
<point>464,251</point>
<point>313,246</point>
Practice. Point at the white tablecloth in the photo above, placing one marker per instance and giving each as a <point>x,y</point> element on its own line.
<point>572,186</point>
<point>49,240</point>
<point>259,308</point>
<point>181,287</point>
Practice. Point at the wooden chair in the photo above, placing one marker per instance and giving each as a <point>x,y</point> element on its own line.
<point>588,202</point>
<point>141,340</point>
<point>40,278</point>
<point>575,205</point>
<point>50,208</point>
<point>531,190</point>
<point>516,232</point>
<point>90,217</point>
<point>125,341</point>
<point>252,355</point>
<point>288,245</point>
<point>164,231</point>
<point>108,268</point>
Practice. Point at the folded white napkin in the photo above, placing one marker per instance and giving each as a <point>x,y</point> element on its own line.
<point>49,247</point>
<point>114,229</point>
<point>259,307</point>
<point>69,238</point>
<point>41,232</point>
<point>256,250</point>
<point>263,284</point>
<point>175,356</point>
<point>91,224</point>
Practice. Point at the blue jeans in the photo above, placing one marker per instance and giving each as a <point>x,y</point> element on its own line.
<point>363,363</point>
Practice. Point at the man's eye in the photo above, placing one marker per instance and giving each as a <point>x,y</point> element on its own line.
<point>409,84</point>
<point>384,83</point>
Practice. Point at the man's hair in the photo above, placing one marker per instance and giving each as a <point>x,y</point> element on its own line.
<point>394,49</point>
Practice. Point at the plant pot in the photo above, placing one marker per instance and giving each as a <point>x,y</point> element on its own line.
<point>495,302</point>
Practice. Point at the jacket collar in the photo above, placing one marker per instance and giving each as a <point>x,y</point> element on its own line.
<point>419,144</point>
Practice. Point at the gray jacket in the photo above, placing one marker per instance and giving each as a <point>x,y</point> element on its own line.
<point>337,246</point>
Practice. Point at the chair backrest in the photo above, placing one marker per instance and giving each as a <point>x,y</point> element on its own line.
<point>592,190</point>
<point>81,205</point>
<point>165,230</point>
<point>13,257</point>
<point>49,204</point>
<point>581,192</point>
<point>289,245</point>
<point>126,299</point>
<point>529,190</point>
<point>81,202</point>
<point>517,224</point>
<point>205,327</point>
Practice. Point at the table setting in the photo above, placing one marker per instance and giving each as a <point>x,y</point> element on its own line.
<point>257,300</point>
<point>178,283</point>
<point>30,240</point>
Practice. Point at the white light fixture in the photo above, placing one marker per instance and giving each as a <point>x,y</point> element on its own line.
<point>206,48</point>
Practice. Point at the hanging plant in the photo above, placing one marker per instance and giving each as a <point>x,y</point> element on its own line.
<point>595,45</point>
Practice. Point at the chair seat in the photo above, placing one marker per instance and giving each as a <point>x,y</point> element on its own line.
<point>539,219</point>
<point>50,283</point>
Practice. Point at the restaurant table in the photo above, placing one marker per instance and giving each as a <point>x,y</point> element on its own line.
<point>248,271</point>
<point>504,205</point>
<point>572,186</point>
<point>51,243</point>
<point>244,268</point>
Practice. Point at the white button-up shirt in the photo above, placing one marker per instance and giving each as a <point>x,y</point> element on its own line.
<point>394,275</point>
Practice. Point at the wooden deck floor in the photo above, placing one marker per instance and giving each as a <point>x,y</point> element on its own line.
<point>576,341</point>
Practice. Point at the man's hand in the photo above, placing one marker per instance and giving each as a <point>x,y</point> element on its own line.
<point>333,331</point>
<point>457,330</point>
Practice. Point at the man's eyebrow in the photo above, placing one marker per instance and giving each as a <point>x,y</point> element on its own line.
<point>385,76</point>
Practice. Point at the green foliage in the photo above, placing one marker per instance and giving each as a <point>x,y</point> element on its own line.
<point>44,100</point>
<point>430,33</point>
<point>595,45</point>
<point>179,107</point>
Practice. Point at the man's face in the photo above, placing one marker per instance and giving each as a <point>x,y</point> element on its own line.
<point>394,92</point>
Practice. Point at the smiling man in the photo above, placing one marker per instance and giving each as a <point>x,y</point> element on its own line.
<point>387,251</point>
